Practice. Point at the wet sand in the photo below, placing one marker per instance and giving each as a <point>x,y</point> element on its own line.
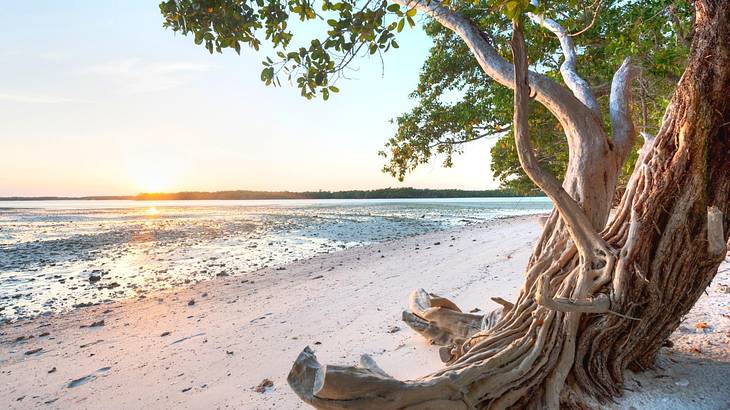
<point>210,345</point>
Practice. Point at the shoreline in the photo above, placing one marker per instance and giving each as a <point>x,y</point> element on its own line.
<point>210,345</point>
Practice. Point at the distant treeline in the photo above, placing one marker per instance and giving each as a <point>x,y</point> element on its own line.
<point>372,194</point>
<point>386,193</point>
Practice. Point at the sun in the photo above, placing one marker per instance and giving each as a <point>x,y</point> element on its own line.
<point>152,175</point>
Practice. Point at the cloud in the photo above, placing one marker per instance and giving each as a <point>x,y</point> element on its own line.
<point>134,76</point>
<point>39,99</point>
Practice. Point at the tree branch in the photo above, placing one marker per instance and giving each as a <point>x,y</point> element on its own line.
<point>622,126</point>
<point>598,304</point>
<point>580,228</point>
<point>570,111</point>
<point>580,87</point>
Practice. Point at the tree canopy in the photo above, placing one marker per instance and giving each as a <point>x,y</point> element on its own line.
<point>455,101</point>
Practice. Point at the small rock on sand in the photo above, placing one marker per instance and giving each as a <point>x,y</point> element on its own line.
<point>393,329</point>
<point>165,334</point>
<point>33,351</point>
<point>265,384</point>
<point>191,302</point>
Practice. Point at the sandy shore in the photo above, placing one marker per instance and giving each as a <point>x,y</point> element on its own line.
<point>209,346</point>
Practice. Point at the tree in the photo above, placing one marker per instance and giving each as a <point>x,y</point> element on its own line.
<point>457,103</point>
<point>599,296</point>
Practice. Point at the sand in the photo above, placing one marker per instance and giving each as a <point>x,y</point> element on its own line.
<point>210,345</point>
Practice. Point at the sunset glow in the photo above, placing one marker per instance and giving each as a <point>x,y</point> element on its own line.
<point>154,174</point>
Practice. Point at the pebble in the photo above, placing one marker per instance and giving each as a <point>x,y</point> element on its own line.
<point>265,384</point>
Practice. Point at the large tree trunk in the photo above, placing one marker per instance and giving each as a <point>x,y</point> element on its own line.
<point>596,304</point>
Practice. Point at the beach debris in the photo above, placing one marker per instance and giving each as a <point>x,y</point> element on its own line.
<point>44,334</point>
<point>437,243</point>
<point>191,302</point>
<point>475,310</point>
<point>723,288</point>
<point>98,323</point>
<point>263,386</point>
<point>52,370</point>
<point>703,326</point>
<point>318,343</point>
<point>90,344</point>
<point>393,329</point>
<point>682,382</point>
<point>165,334</point>
<point>80,381</point>
<point>95,277</point>
<point>87,378</point>
<point>187,337</point>
<point>33,351</point>
<point>318,277</point>
<point>186,389</point>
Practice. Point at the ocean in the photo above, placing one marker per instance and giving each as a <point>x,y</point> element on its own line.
<point>57,255</point>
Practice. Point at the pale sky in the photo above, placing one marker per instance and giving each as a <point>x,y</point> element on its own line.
<point>96,98</point>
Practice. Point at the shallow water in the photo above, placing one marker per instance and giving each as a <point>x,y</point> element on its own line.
<point>55,255</point>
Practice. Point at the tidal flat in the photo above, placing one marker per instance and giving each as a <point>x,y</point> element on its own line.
<point>59,255</point>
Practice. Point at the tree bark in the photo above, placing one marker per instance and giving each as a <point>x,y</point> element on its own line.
<point>598,303</point>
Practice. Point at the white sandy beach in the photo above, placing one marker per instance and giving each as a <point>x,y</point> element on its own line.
<point>243,329</point>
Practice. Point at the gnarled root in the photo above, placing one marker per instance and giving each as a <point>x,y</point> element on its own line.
<point>442,322</point>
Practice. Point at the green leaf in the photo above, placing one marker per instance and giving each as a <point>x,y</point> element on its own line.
<point>411,12</point>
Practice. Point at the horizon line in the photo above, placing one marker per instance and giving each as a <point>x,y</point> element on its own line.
<point>285,194</point>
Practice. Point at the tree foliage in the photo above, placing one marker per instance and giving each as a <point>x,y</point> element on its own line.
<point>456,102</point>
<point>350,28</point>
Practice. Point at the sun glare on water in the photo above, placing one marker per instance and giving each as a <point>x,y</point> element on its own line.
<point>152,211</point>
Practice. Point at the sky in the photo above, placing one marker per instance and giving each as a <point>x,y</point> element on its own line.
<point>97,98</point>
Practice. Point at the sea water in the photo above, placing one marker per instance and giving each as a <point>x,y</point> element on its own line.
<point>57,255</point>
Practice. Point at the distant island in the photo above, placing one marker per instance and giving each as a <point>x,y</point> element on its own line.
<point>386,193</point>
